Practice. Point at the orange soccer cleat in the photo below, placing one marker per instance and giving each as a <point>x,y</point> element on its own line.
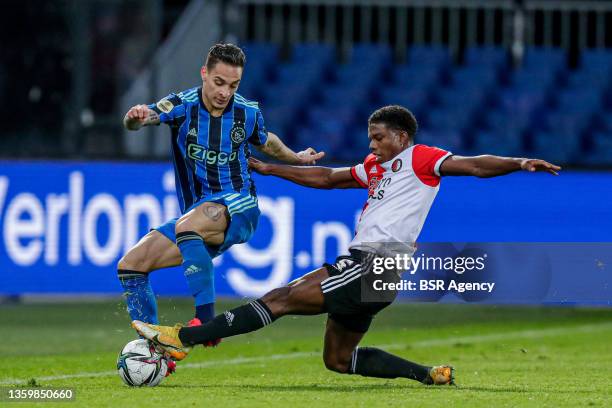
<point>164,337</point>
<point>442,375</point>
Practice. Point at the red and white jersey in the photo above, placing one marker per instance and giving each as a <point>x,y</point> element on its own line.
<point>400,194</point>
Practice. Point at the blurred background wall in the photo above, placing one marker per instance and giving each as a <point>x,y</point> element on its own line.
<point>510,77</point>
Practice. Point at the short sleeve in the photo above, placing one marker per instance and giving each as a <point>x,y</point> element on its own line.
<point>168,108</point>
<point>426,162</point>
<point>259,136</point>
<point>359,174</point>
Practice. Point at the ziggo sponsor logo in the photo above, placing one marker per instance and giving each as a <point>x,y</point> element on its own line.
<point>32,231</point>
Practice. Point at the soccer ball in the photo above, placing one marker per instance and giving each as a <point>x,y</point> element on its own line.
<point>140,364</point>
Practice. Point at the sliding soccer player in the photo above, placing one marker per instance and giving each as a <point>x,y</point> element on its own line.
<point>402,181</point>
<point>211,129</point>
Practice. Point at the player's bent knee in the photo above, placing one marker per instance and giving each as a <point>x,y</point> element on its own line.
<point>184,224</point>
<point>335,364</point>
<point>137,264</point>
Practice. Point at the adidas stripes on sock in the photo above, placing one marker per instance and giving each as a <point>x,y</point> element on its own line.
<point>243,319</point>
<point>198,270</point>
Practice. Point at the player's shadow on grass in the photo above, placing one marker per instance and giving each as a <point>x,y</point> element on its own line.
<point>300,388</point>
<point>371,387</point>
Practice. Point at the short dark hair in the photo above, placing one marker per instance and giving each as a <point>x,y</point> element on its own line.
<point>395,117</point>
<point>228,53</point>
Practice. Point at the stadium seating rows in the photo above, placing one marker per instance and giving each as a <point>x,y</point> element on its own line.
<point>540,108</point>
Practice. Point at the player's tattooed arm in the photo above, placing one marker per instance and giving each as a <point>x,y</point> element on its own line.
<point>315,176</point>
<point>139,116</point>
<point>274,147</point>
<point>492,166</point>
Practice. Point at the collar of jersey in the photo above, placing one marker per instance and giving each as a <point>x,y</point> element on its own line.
<point>387,165</point>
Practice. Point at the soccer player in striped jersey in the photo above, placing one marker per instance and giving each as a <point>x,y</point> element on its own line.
<point>211,129</point>
<point>402,180</point>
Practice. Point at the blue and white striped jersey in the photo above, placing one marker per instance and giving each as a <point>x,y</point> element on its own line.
<point>210,153</point>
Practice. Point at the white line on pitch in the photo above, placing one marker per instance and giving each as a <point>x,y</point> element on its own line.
<point>523,334</point>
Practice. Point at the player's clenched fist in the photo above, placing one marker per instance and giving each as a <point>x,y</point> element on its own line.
<point>138,116</point>
<point>139,112</point>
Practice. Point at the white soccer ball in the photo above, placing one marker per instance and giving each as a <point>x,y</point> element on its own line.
<point>139,364</point>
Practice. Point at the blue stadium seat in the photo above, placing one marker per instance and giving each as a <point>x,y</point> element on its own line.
<point>550,57</point>
<point>447,119</point>
<point>463,98</point>
<point>359,74</point>
<point>429,56</point>
<point>422,76</point>
<point>602,144</point>
<point>596,57</point>
<point>327,135</point>
<point>500,143</point>
<point>521,102</point>
<point>591,76</point>
<point>261,52</point>
<point>568,129</point>
<point>534,79</point>
<point>315,101</point>
<point>305,52</point>
<point>600,147</point>
<point>507,121</point>
<point>367,52</point>
<point>606,121</point>
<point>482,76</point>
<point>340,112</point>
<point>295,94</point>
<point>303,73</point>
<point>552,147</point>
<point>486,56</point>
<point>279,119</point>
<point>582,99</point>
<point>253,80</point>
<point>449,139</point>
<point>413,99</point>
<point>355,145</point>
<point>354,96</point>
<point>595,158</point>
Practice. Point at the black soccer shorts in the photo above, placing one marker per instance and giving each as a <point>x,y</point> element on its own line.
<point>343,294</point>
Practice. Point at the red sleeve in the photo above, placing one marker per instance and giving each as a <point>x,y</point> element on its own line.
<point>363,171</point>
<point>426,163</point>
<point>356,177</point>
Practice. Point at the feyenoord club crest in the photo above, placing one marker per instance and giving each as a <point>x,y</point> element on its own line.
<point>237,133</point>
<point>397,165</point>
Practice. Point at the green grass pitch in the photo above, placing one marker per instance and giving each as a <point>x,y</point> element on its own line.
<point>504,356</point>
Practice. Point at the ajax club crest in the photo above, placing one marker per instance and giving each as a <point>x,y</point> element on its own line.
<point>238,133</point>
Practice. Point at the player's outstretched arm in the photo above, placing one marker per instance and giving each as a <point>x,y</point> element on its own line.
<point>492,166</point>
<point>139,116</point>
<point>315,176</point>
<point>274,147</point>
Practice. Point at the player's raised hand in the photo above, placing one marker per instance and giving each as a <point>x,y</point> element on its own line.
<point>309,156</point>
<point>138,112</point>
<point>257,165</point>
<point>534,165</point>
<point>138,116</point>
